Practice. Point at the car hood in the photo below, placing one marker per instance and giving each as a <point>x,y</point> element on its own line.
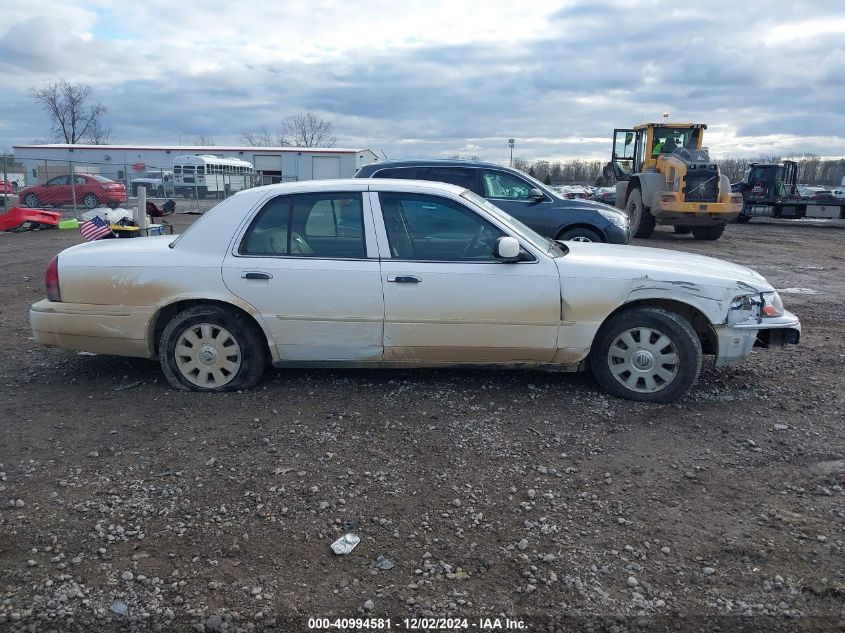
<point>583,204</point>
<point>636,262</point>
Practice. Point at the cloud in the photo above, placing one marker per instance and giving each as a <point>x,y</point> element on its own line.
<point>434,78</point>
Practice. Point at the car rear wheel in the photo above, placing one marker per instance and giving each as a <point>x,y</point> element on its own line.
<point>648,354</point>
<point>639,217</point>
<point>580,234</point>
<point>90,201</point>
<point>31,200</point>
<point>708,232</point>
<point>211,348</point>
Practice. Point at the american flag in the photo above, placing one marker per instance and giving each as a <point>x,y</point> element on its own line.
<point>95,229</point>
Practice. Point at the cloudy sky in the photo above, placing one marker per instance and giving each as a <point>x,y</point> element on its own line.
<point>438,78</point>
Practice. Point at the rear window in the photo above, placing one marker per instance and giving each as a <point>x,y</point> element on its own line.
<point>329,225</point>
<point>408,173</point>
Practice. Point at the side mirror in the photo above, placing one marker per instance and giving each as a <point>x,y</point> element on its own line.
<point>507,249</point>
<point>536,194</point>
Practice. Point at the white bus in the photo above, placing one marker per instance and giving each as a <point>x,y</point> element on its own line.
<point>204,175</point>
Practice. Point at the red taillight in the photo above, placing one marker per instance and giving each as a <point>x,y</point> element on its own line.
<point>51,280</point>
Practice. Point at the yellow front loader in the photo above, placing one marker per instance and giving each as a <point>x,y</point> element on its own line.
<point>665,176</point>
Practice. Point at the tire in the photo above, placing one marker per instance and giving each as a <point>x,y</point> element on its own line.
<point>31,200</point>
<point>621,369</point>
<point>90,201</point>
<point>212,329</point>
<point>580,234</point>
<point>640,218</point>
<point>682,230</point>
<point>708,232</point>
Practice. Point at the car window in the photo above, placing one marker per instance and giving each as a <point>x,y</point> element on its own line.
<point>461,176</point>
<point>59,180</point>
<point>498,184</point>
<point>79,180</point>
<point>308,225</point>
<point>409,173</point>
<point>422,227</point>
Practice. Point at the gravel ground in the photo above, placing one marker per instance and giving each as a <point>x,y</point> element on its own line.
<point>125,505</point>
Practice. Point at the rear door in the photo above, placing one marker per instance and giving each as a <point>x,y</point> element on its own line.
<point>309,264</point>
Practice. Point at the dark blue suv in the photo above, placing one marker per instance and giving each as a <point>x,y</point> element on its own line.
<point>518,194</point>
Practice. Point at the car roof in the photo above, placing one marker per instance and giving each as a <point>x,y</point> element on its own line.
<point>358,184</point>
<point>432,162</point>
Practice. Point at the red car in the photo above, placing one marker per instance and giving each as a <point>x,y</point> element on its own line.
<point>8,187</point>
<point>91,190</point>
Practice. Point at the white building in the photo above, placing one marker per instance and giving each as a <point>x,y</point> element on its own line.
<point>124,162</point>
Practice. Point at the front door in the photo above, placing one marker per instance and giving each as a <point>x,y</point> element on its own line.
<point>58,191</point>
<point>512,194</point>
<point>624,154</point>
<point>447,299</point>
<point>309,264</point>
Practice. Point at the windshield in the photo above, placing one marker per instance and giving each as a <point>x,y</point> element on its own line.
<point>100,178</point>
<point>537,240</point>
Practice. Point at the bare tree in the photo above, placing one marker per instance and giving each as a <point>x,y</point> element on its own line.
<point>522,164</point>
<point>263,138</point>
<point>306,129</point>
<point>99,134</point>
<point>203,140</point>
<point>73,118</point>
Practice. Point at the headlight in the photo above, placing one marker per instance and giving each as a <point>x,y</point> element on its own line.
<point>741,303</point>
<point>756,306</point>
<point>772,304</point>
<point>618,218</point>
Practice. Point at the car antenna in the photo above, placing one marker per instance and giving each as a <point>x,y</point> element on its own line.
<point>383,154</point>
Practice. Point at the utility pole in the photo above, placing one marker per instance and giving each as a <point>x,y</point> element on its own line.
<point>6,184</point>
<point>511,143</point>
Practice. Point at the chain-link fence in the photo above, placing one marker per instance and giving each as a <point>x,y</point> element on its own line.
<point>77,186</point>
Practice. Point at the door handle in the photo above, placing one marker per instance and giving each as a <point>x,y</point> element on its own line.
<point>404,279</point>
<point>256,275</point>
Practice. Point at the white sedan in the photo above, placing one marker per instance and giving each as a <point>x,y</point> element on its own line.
<point>395,273</point>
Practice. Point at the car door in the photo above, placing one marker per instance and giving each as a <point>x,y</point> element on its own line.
<point>57,190</point>
<point>82,187</point>
<point>309,264</point>
<point>447,298</point>
<point>512,194</point>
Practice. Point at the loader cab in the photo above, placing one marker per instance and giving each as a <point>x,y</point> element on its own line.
<point>637,149</point>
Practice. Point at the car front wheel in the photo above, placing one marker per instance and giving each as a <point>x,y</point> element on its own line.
<point>31,200</point>
<point>90,201</point>
<point>580,234</point>
<point>212,348</point>
<point>648,354</point>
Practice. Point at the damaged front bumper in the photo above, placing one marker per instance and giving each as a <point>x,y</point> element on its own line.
<point>736,341</point>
